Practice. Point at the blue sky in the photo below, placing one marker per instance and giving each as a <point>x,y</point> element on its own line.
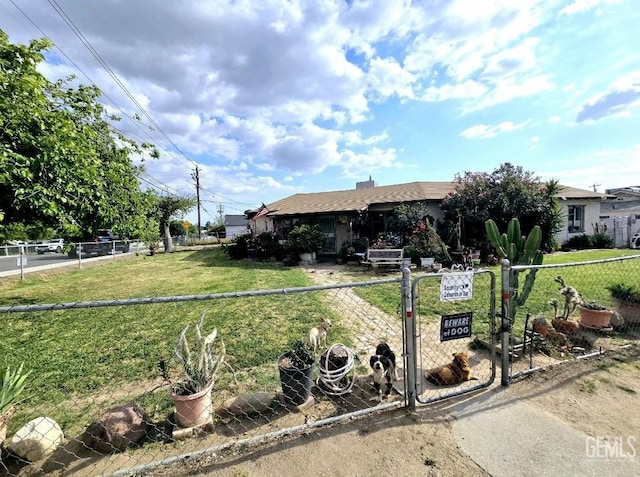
<point>272,98</point>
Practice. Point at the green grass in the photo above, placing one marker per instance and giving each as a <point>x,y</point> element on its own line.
<point>590,281</point>
<point>83,358</point>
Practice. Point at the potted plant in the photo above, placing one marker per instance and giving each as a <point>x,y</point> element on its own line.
<point>594,315</point>
<point>200,361</point>
<point>626,299</point>
<point>296,373</point>
<point>11,387</point>
<point>306,240</point>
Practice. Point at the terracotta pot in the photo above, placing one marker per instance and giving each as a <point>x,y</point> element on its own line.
<point>630,311</point>
<point>595,318</point>
<point>4,421</point>
<point>565,326</point>
<point>541,328</point>
<point>193,410</point>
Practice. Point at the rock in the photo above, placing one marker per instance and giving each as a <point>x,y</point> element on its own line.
<point>246,404</point>
<point>117,428</point>
<point>36,439</point>
<point>617,321</point>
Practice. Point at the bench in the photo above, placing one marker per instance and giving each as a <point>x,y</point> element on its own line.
<point>384,256</point>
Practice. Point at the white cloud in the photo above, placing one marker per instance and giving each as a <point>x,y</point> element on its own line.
<point>468,90</point>
<point>581,6</point>
<point>618,100</point>
<point>386,77</point>
<point>484,131</point>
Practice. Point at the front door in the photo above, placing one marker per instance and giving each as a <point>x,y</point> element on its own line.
<point>328,227</point>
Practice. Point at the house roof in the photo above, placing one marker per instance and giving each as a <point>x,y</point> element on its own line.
<point>235,220</point>
<point>354,200</point>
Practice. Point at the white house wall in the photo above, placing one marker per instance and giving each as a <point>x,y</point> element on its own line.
<point>591,218</point>
<point>235,230</point>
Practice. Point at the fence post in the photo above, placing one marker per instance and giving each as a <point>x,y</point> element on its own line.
<point>409,324</point>
<point>505,327</point>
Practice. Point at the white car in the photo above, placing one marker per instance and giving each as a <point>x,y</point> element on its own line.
<point>53,245</point>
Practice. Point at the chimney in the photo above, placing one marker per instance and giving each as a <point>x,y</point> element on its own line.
<point>366,184</point>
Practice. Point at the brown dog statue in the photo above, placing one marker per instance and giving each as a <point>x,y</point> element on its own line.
<point>456,372</point>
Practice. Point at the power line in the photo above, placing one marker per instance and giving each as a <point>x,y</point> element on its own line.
<point>136,123</point>
<point>113,75</point>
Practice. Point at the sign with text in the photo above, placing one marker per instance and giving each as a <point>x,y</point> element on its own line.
<point>456,286</point>
<point>456,326</point>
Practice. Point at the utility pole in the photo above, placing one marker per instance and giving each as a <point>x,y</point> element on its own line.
<point>220,212</point>
<point>196,176</point>
<point>594,187</point>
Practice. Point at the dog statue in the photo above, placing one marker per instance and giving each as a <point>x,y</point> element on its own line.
<point>318,334</point>
<point>456,372</point>
<point>383,365</point>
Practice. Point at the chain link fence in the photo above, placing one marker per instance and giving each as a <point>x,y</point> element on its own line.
<point>455,315</point>
<point>117,355</point>
<point>109,366</point>
<point>557,322</point>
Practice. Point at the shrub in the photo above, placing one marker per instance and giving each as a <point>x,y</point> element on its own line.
<point>240,246</point>
<point>579,242</point>
<point>625,292</point>
<point>306,238</point>
<point>602,240</point>
<point>267,246</point>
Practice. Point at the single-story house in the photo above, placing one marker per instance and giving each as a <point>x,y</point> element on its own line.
<point>235,225</point>
<point>620,214</point>
<point>364,211</point>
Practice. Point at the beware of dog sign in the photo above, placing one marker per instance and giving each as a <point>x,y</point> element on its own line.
<point>456,326</point>
<point>456,286</point>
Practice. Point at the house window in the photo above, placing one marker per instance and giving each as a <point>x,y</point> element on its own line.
<point>576,218</point>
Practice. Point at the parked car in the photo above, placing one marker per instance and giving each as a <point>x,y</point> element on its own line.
<point>635,240</point>
<point>53,245</point>
<point>105,235</point>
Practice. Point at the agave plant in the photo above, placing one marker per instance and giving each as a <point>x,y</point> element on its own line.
<point>11,387</point>
<point>200,361</point>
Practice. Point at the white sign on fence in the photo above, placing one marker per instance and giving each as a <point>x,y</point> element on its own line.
<point>456,286</point>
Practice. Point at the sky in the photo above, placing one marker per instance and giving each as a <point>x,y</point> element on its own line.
<point>270,98</point>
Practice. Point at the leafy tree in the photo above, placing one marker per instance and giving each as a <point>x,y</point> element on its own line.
<point>507,192</point>
<point>61,162</point>
<point>167,208</point>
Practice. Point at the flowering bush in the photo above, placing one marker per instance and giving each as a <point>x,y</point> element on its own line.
<point>427,243</point>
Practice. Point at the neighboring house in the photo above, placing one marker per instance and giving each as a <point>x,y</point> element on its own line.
<point>620,214</point>
<point>235,225</point>
<point>364,211</point>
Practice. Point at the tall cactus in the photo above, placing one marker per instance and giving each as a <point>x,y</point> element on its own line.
<point>519,251</point>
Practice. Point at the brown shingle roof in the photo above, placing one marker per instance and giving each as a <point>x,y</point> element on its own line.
<point>359,199</point>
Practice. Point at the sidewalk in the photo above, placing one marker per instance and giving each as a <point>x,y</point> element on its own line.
<point>507,436</point>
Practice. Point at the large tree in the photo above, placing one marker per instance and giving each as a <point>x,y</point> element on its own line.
<point>508,192</point>
<point>62,163</point>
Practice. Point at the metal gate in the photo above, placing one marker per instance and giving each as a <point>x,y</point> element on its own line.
<point>454,315</point>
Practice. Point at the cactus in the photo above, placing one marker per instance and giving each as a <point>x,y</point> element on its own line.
<point>519,250</point>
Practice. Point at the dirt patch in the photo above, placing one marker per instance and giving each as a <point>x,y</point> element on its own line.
<point>592,395</point>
